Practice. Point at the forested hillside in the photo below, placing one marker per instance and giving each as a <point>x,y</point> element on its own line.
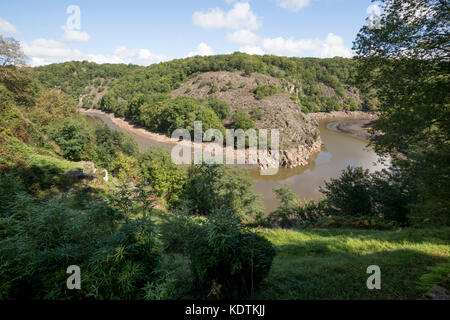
<point>317,84</point>
<point>238,90</point>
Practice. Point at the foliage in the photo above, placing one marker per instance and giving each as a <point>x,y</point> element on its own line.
<point>115,250</point>
<point>228,261</point>
<point>265,90</point>
<point>72,137</point>
<point>242,121</point>
<point>406,59</point>
<point>166,178</point>
<point>213,187</point>
<point>291,213</point>
<point>221,108</point>
<point>359,193</point>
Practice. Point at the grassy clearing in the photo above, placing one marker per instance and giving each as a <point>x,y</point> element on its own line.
<point>332,263</point>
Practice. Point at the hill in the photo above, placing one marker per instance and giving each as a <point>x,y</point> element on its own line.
<point>265,92</point>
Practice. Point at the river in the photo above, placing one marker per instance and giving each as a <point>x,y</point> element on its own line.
<point>338,151</point>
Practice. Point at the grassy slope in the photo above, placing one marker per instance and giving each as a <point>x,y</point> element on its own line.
<point>332,263</point>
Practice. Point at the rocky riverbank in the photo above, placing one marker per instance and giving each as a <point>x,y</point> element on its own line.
<point>320,116</point>
<point>289,158</point>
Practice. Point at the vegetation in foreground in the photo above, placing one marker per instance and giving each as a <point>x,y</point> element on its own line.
<point>148,233</point>
<point>332,263</point>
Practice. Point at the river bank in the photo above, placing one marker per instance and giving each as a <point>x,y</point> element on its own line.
<point>355,128</point>
<point>291,158</point>
<point>342,115</point>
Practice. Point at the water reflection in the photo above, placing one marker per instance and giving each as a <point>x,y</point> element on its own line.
<point>338,151</point>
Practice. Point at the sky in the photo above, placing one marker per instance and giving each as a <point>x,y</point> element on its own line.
<point>145,32</point>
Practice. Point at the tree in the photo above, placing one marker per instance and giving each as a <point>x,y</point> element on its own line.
<point>11,53</point>
<point>405,56</point>
<point>221,108</point>
<point>217,187</point>
<point>242,121</point>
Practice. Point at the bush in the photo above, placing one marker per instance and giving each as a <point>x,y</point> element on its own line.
<point>265,90</point>
<point>242,121</point>
<point>257,114</point>
<point>213,187</point>
<point>112,241</point>
<point>165,177</point>
<point>291,213</point>
<point>177,230</point>
<point>227,260</point>
<point>221,108</point>
<point>72,136</point>
<point>213,89</point>
<point>359,193</point>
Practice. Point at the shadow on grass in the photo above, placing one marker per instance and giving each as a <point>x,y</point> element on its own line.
<point>317,270</point>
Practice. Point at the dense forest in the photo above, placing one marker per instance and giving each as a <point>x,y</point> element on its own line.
<point>125,82</point>
<point>73,192</point>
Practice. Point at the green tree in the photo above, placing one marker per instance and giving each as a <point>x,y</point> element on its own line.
<point>211,187</point>
<point>242,121</point>
<point>72,136</point>
<point>165,177</point>
<point>221,108</point>
<point>405,57</point>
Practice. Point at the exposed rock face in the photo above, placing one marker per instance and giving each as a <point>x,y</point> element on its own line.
<point>298,156</point>
<point>299,134</point>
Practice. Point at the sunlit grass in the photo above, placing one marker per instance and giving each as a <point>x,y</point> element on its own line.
<point>332,263</point>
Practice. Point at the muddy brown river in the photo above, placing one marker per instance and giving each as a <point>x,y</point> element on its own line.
<point>339,150</point>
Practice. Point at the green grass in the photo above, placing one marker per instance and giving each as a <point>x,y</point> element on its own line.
<point>332,263</point>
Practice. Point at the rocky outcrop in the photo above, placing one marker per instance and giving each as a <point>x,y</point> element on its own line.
<point>299,155</point>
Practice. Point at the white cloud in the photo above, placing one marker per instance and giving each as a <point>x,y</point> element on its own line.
<point>293,5</point>
<point>139,56</point>
<point>239,17</point>
<point>7,27</point>
<point>332,46</point>
<point>243,36</point>
<point>42,51</point>
<point>74,35</point>
<point>252,50</point>
<point>202,50</point>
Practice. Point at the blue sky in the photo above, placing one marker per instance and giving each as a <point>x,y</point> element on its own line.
<point>145,32</point>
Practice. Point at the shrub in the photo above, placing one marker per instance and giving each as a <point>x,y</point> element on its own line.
<point>291,213</point>
<point>166,178</point>
<point>242,121</point>
<point>72,136</point>
<point>359,193</point>
<point>227,260</point>
<point>221,108</point>
<point>265,90</point>
<point>211,187</point>
<point>213,89</point>
<point>257,114</point>
<point>177,230</point>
